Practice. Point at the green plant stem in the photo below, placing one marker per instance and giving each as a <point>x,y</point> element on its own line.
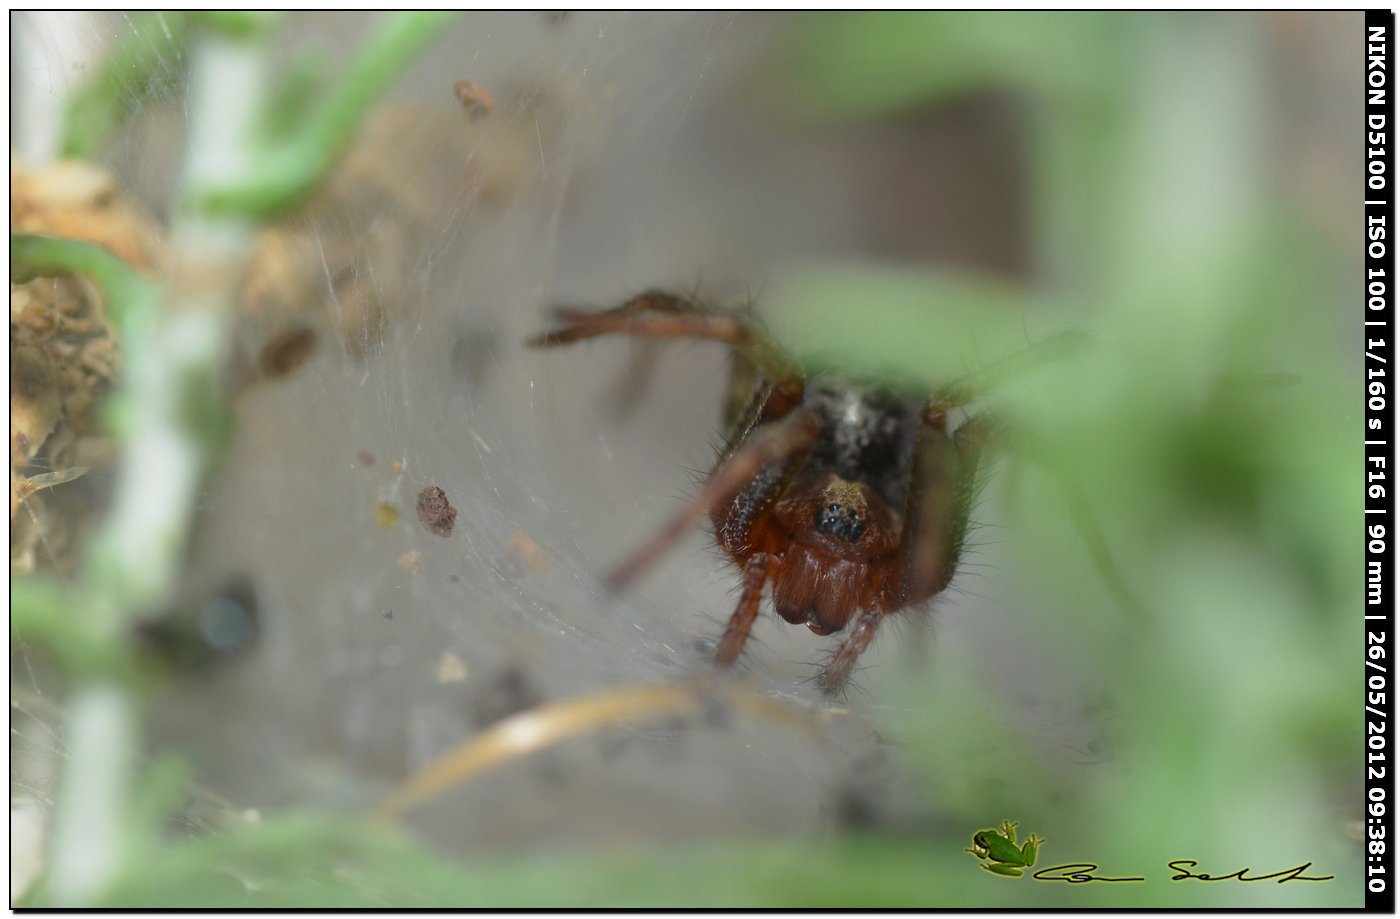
<point>82,628</point>
<point>172,357</point>
<point>59,620</point>
<point>173,413</point>
<point>90,827</point>
<point>125,292</point>
<point>172,361</point>
<point>288,172</point>
<point>240,23</point>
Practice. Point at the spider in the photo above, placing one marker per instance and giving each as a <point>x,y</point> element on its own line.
<point>847,498</point>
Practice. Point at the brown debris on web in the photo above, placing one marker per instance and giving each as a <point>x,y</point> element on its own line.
<point>435,512</point>
<point>476,100</point>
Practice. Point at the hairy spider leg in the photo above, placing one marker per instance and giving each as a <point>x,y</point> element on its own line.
<point>658,315</point>
<point>936,510</point>
<point>643,363</point>
<point>947,476</point>
<point>655,301</point>
<point>738,514</point>
<point>775,430</point>
<point>791,434</point>
<point>945,483</point>
<point>736,633</point>
<point>838,669</point>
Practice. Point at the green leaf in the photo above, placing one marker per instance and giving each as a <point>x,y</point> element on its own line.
<point>923,327</point>
<point>289,171</point>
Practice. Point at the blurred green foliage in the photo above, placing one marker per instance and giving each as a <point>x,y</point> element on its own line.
<point>1226,494</point>
<point>1204,426</point>
<point>290,164</point>
<point>147,60</point>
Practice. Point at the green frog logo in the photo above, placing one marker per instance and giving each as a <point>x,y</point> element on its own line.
<point>999,853</point>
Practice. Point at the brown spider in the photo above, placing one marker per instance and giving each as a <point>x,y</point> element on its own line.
<point>849,497</point>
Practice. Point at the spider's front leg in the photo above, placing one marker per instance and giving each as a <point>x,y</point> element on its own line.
<point>736,633</point>
<point>661,315</point>
<point>943,485</point>
<point>947,476</point>
<point>739,494</point>
<point>767,447</point>
<point>750,479</point>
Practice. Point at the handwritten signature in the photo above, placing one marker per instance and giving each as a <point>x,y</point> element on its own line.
<point>1083,873</point>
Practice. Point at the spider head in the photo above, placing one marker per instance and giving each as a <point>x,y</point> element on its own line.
<point>840,518</point>
<point>835,538</point>
<point>841,511</point>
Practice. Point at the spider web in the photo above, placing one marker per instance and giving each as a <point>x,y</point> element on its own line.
<point>623,151</point>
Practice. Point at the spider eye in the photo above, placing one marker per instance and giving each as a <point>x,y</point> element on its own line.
<point>841,521</point>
